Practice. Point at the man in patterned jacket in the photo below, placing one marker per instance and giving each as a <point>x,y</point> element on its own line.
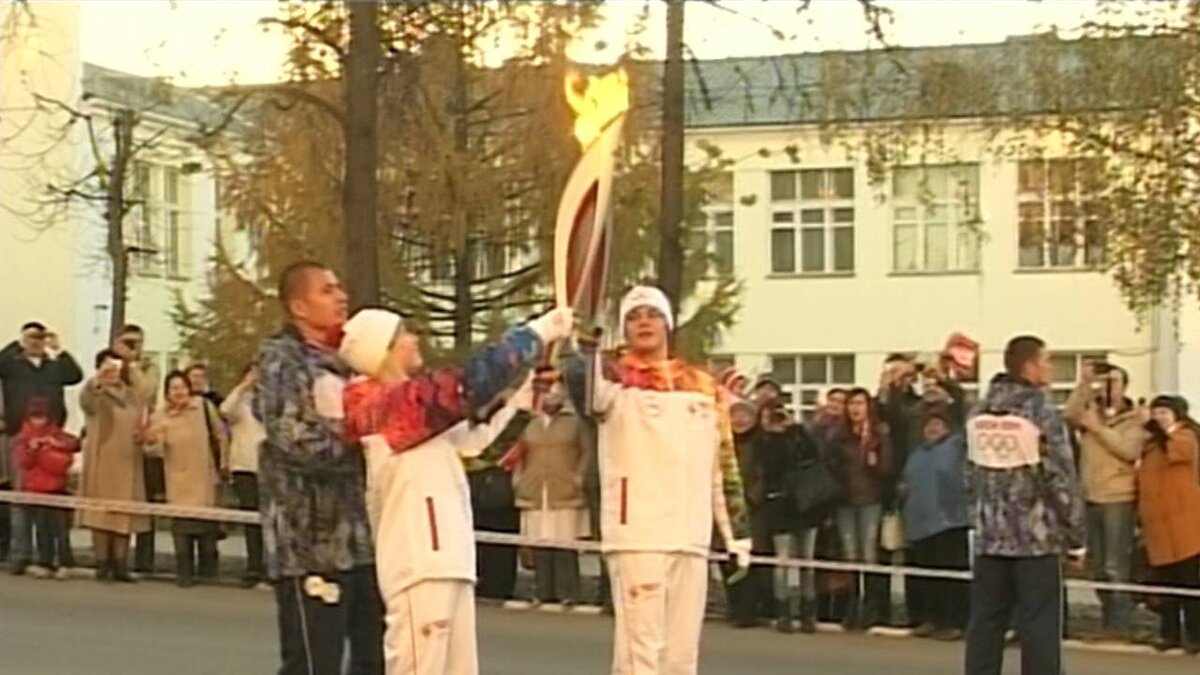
<point>668,470</point>
<point>315,528</point>
<point>1029,514</point>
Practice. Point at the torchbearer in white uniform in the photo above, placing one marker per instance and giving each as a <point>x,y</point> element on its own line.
<point>668,472</point>
<point>415,428</point>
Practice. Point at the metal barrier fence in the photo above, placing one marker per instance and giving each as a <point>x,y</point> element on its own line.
<point>252,518</point>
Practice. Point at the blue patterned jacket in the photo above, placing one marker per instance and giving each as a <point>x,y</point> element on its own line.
<point>1027,511</point>
<point>312,485</point>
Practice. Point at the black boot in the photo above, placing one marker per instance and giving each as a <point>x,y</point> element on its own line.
<point>808,617</point>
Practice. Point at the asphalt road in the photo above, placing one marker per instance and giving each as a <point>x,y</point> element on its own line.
<point>81,627</point>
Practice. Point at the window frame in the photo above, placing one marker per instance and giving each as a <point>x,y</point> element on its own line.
<point>795,390</point>
<point>962,219</point>
<point>1078,197</point>
<point>829,203</point>
<point>158,228</point>
<point>1060,390</point>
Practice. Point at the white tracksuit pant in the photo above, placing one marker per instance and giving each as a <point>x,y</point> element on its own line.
<point>431,630</point>
<point>659,601</point>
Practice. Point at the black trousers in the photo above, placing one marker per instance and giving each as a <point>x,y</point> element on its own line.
<point>1029,590</point>
<point>556,575</point>
<point>313,633</point>
<point>245,487</point>
<point>195,553</point>
<point>942,602</point>
<point>496,564</point>
<point>5,523</point>
<point>1180,616</point>
<point>156,491</point>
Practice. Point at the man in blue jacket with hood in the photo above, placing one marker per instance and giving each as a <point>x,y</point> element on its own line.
<point>1028,513</point>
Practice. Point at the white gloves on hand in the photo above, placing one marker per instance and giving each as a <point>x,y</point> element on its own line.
<point>557,324</point>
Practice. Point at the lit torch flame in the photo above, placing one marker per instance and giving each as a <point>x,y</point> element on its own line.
<point>596,102</point>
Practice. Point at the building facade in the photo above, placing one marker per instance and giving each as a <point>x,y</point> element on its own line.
<point>844,262</point>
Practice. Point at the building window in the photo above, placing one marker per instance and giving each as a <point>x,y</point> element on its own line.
<point>158,238</point>
<point>935,218</point>
<point>812,221</point>
<point>1065,368</point>
<point>718,225</point>
<point>805,378</point>
<point>1058,224</point>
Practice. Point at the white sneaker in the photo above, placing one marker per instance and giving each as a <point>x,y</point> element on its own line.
<point>63,574</point>
<point>38,572</point>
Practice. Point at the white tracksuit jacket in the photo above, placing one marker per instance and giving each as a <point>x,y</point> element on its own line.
<point>420,506</point>
<point>660,477</point>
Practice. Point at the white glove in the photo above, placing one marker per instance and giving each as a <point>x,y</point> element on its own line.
<point>557,324</point>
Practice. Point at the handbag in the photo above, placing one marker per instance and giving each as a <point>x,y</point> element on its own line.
<point>214,443</point>
<point>891,532</point>
<point>816,486</point>
<point>491,489</point>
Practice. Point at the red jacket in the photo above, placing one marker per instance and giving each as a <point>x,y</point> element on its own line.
<point>45,458</point>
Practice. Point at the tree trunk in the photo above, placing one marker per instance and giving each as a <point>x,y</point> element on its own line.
<point>114,217</point>
<point>464,269</point>
<point>670,252</point>
<point>359,184</point>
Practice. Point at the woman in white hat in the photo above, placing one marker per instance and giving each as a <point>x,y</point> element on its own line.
<point>668,470</point>
<point>415,428</point>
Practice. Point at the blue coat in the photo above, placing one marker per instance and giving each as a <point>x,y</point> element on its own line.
<point>936,496</point>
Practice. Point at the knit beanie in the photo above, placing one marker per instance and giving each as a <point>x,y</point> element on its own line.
<point>367,338</point>
<point>648,296</point>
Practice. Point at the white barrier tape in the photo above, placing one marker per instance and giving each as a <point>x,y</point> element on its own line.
<point>253,518</point>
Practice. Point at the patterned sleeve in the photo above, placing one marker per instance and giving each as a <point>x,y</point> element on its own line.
<point>731,477</point>
<point>406,414</point>
<point>1061,481</point>
<point>497,367</point>
<point>297,436</point>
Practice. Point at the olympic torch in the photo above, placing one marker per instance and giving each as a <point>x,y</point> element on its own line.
<point>582,236</point>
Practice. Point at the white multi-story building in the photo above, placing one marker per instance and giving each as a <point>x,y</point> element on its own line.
<point>840,270</point>
<point>57,271</point>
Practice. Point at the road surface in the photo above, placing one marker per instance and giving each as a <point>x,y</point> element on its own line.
<point>81,627</point>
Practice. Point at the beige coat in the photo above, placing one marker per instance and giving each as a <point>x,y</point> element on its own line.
<point>112,458</point>
<point>554,460</point>
<point>1107,457</point>
<point>181,437</point>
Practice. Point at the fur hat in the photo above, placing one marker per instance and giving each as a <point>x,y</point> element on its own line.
<point>647,296</point>
<point>367,338</point>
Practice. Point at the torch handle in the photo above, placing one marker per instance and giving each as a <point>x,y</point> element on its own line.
<point>590,363</point>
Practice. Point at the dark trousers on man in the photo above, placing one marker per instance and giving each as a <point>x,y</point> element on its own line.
<point>941,602</point>
<point>313,632</point>
<point>1027,590</point>
<point>156,491</point>
<point>245,487</point>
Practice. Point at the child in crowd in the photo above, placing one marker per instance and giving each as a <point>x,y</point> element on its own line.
<point>44,453</point>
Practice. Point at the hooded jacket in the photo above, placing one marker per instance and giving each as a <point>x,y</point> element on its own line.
<point>1027,510</point>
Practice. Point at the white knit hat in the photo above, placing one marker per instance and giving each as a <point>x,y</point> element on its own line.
<point>647,296</point>
<point>367,337</point>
